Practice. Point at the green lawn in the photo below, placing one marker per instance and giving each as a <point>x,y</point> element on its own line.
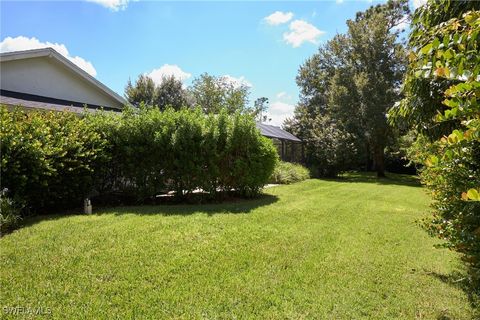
<point>338,249</point>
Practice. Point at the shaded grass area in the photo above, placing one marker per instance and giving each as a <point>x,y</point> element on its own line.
<point>390,179</point>
<point>347,248</point>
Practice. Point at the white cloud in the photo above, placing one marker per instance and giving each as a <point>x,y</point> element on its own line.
<point>339,1</point>
<point>23,43</point>
<point>279,111</point>
<point>168,70</point>
<point>300,32</point>
<point>282,94</point>
<point>278,17</point>
<point>284,97</point>
<point>237,82</point>
<point>113,5</point>
<point>419,3</point>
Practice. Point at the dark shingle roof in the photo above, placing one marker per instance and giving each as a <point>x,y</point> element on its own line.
<point>276,132</point>
<point>40,102</point>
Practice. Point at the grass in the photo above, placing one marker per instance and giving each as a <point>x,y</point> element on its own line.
<point>343,249</point>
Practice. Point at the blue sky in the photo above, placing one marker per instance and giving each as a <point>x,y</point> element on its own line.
<point>115,40</point>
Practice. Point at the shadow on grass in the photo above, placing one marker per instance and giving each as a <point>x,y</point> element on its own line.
<point>371,177</point>
<point>462,281</point>
<point>233,205</point>
<point>236,206</point>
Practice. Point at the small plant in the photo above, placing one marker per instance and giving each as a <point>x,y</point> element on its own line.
<point>286,173</point>
<point>9,213</point>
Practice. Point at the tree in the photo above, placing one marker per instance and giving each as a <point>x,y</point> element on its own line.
<point>170,93</point>
<point>213,94</point>
<point>354,79</point>
<point>377,61</point>
<point>441,107</point>
<point>260,107</point>
<point>142,92</point>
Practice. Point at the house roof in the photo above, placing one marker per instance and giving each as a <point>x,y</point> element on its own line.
<point>276,132</point>
<point>13,102</point>
<point>49,52</point>
<point>14,99</point>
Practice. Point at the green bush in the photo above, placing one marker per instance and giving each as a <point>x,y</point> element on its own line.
<point>286,173</point>
<point>48,158</point>
<point>152,151</point>
<point>10,215</point>
<point>55,160</point>
<point>441,105</point>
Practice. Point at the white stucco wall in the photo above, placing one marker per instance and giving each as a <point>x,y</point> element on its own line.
<point>44,76</point>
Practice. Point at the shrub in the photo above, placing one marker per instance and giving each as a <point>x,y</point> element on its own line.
<point>441,104</point>
<point>251,157</point>
<point>286,173</point>
<point>55,160</point>
<point>329,149</point>
<point>151,152</point>
<point>9,213</point>
<point>48,158</point>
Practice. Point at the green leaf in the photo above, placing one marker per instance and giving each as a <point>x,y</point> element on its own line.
<point>448,54</point>
<point>448,155</point>
<point>470,18</point>
<point>473,194</point>
<point>458,134</point>
<point>426,49</point>
<point>432,161</point>
<point>450,103</point>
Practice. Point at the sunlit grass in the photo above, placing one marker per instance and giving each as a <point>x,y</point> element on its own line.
<point>347,248</point>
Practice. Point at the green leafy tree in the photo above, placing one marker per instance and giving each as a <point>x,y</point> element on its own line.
<point>213,94</point>
<point>170,93</point>
<point>353,80</point>
<point>440,105</point>
<point>143,91</point>
<point>260,107</point>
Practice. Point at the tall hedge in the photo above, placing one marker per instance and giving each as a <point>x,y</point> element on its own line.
<point>58,159</point>
<point>47,159</point>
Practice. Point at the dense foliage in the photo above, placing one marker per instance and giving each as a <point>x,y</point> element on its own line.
<point>58,159</point>
<point>346,90</point>
<point>153,152</point>
<point>169,93</point>
<point>210,93</point>
<point>213,94</point>
<point>48,159</point>
<point>441,91</point>
<point>286,173</point>
<point>10,214</point>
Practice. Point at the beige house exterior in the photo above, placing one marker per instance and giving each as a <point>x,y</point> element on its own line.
<point>44,79</point>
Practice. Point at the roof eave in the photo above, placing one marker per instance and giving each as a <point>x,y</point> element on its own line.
<point>50,52</point>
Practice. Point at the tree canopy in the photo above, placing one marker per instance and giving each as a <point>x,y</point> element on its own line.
<point>351,82</point>
<point>169,93</point>
<point>213,94</point>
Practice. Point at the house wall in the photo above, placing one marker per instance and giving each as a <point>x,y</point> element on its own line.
<point>44,76</point>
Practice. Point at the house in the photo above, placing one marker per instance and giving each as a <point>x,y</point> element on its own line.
<point>289,147</point>
<point>44,79</point>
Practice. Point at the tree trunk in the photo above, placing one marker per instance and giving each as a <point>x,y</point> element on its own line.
<point>379,156</point>
<point>367,158</point>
